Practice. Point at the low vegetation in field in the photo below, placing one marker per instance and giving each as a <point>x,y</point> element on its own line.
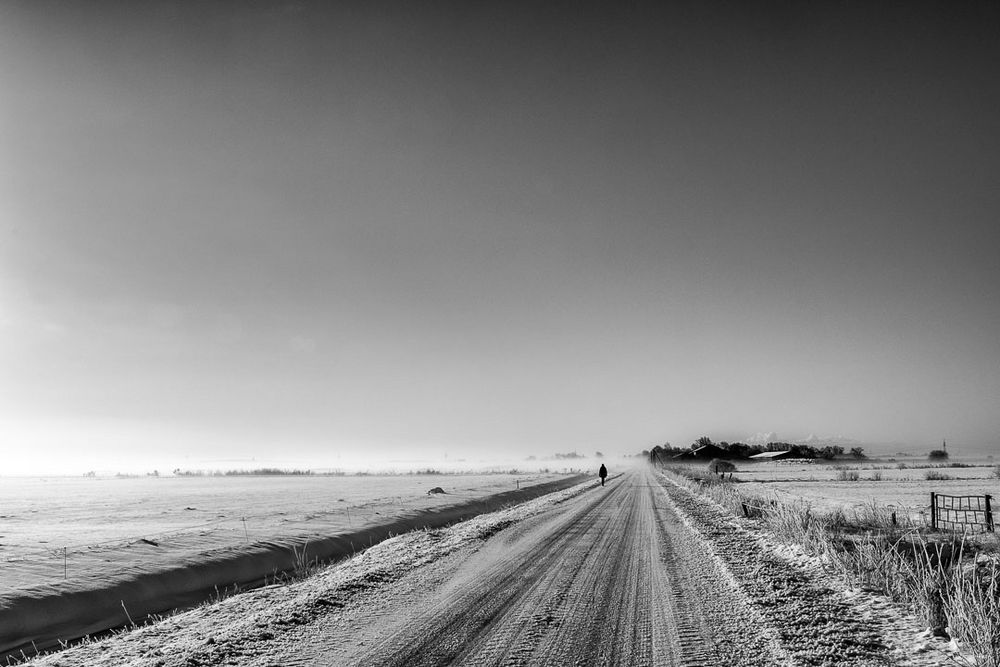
<point>718,466</point>
<point>845,474</point>
<point>950,580</point>
<point>258,472</point>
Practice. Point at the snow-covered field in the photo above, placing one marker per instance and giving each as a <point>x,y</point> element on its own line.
<point>140,556</point>
<point>881,483</point>
<point>66,528</point>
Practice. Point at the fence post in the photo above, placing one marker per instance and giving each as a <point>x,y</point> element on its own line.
<point>933,510</point>
<point>989,514</point>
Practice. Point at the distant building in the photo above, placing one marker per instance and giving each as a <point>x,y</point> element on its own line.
<point>771,456</point>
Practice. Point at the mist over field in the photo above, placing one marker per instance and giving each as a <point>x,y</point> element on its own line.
<point>401,462</point>
<point>388,464</point>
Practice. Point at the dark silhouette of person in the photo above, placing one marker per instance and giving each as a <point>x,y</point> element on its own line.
<point>603,472</point>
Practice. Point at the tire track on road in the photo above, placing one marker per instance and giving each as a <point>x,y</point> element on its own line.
<point>611,577</point>
<point>496,586</point>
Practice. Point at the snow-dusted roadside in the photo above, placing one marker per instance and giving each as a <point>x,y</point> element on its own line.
<point>237,627</point>
<point>821,620</point>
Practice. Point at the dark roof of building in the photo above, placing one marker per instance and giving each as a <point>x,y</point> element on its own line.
<point>703,452</point>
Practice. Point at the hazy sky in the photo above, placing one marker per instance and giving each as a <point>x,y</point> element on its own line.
<point>322,230</point>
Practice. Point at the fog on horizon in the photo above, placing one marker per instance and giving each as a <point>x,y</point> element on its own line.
<point>302,231</point>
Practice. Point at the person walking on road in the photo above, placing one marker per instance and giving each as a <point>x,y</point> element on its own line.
<point>603,472</point>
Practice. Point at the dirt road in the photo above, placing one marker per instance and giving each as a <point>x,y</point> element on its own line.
<point>640,572</point>
<point>612,577</point>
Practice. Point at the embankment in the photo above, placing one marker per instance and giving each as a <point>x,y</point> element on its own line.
<point>40,618</point>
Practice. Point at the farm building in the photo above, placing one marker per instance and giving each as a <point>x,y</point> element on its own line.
<point>771,456</point>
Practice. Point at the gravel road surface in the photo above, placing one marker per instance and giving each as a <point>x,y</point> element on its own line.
<point>612,578</point>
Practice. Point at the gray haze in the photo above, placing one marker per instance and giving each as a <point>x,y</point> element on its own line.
<point>316,230</point>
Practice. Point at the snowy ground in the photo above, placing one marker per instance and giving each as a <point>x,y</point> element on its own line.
<point>883,484</point>
<point>791,612</point>
<point>79,531</point>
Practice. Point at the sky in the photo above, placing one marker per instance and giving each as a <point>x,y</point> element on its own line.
<point>317,232</point>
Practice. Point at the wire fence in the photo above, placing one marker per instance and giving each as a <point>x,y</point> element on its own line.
<point>962,513</point>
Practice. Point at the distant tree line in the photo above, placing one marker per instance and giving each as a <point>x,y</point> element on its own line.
<point>569,456</point>
<point>741,450</point>
<point>236,473</point>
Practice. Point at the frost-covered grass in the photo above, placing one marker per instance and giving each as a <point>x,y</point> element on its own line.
<point>904,484</point>
<point>951,581</point>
